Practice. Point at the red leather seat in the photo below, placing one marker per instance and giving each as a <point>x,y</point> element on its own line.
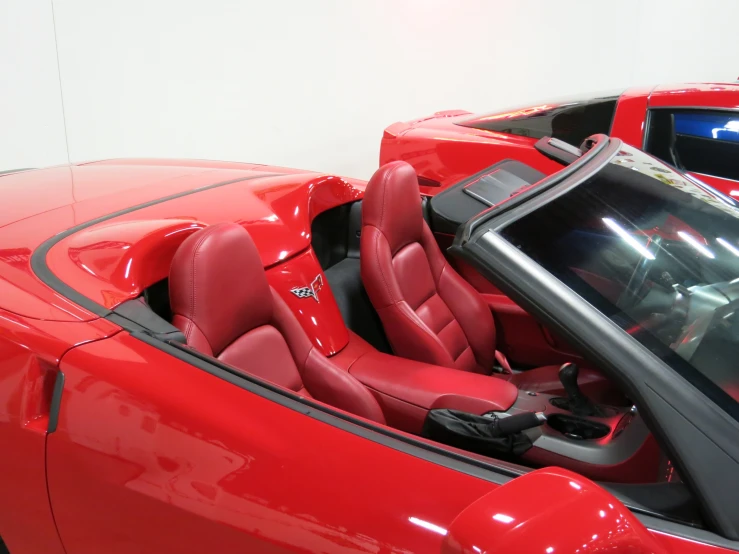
<point>223,304</point>
<point>429,312</point>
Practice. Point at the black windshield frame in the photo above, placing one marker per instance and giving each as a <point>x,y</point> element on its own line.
<point>698,435</point>
<point>560,242</point>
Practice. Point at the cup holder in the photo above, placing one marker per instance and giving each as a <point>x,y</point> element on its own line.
<point>577,428</point>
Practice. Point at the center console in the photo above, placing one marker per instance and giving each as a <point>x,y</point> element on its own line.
<point>603,442</point>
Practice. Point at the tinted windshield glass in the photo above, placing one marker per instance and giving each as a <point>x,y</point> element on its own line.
<point>571,121</point>
<point>656,254</point>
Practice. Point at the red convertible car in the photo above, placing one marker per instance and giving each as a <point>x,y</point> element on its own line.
<point>693,127</point>
<point>221,357</point>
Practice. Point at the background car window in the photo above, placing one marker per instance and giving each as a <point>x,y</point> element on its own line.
<point>572,121</point>
<point>657,255</point>
<point>702,141</point>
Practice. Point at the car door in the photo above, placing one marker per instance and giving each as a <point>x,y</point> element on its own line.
<point>152,454</point>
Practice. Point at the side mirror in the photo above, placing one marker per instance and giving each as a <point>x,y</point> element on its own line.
<point>548,511</point>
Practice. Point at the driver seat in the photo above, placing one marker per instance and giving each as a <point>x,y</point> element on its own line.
<point>429,313</point>
<point>223,304</point>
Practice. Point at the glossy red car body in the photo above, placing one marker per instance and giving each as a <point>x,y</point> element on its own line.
<point>149,453</point>
<point>444,153</point>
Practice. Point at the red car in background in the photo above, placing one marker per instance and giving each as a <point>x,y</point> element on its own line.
<point>693,127</point>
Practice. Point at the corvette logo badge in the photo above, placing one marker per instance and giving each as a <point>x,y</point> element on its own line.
<point>311,291</point>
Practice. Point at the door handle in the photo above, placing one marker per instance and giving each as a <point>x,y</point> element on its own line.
<point>42,395</point>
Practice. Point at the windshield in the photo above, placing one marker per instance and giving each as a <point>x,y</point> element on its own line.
<point>654,252</point>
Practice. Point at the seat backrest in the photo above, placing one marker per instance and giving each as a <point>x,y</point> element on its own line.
<point>429,312</point>
<point>225,307</point>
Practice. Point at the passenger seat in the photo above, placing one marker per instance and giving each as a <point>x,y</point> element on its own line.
<point>223,304</point>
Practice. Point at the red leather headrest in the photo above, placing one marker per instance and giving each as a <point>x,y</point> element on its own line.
<point>217,282</point>
<point>392,203</point>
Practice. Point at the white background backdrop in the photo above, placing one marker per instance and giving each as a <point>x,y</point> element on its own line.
<point>312,83</point>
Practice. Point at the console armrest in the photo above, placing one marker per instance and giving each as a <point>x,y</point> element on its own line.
<point>429,386</point>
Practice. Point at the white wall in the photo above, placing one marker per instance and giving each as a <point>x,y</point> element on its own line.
<point>313,83</point>
<point>31,117</point>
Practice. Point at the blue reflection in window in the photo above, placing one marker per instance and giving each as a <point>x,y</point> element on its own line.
<point>708,125</point>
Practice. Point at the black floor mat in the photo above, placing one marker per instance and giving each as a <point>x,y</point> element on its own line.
<point>346,284</point>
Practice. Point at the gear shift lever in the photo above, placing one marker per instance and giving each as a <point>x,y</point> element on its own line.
<point>576,402</point>
<point>568,377</point>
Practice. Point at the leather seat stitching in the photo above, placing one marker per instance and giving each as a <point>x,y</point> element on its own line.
<point>433,293</point>
<point>463,351</point>
<point>193,274</point>
<point>382,273</point>
<point>447,325</point>
<point>384,195</point>
<point>418,322</point>
<point>474,354</point>
<point>193,326</point>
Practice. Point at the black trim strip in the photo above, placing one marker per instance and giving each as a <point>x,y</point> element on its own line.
<point>701,108</point>
<point>11,171</point>
<point>647,130</point>
<point>56,402</point>
<point>689,533</point>
<point>42,271</point>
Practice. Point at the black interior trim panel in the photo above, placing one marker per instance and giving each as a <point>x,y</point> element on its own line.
<point>460,202</point>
